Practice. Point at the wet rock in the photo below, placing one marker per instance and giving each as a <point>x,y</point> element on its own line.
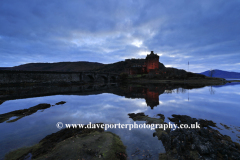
<point>196,144</point>
<point>193,147</point>
<point>205,148</point>
<point>133,115</point>
<point>62,102</point>
<point>28,157</point>
<point>22,113</point>
<point>175,120</point>
<point>75,143</point>
<point>161,116</point>
<point>143,117</point>
<point>226,127</point>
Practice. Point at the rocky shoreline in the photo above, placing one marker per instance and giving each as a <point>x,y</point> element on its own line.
<point>201,143</point>
<point>77,143</point>
<point>192,144</point>
<point>18,114</point>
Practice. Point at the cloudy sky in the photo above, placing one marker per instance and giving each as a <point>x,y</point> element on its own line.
<point>205,33</point>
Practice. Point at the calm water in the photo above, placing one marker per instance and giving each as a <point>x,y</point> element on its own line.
<point>218,103</point>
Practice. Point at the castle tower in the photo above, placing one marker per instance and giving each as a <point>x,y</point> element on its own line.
<point>152,62</point>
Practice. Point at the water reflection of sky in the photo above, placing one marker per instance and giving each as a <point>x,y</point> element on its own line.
<point>220,107</point>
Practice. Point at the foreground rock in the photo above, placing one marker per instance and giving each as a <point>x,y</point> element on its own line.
<point>192,144</point>
<point>74,144</point>
<point>60,103</point>
<point>18,114</point>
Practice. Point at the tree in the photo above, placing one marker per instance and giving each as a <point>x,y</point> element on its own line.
<point>211,72</point>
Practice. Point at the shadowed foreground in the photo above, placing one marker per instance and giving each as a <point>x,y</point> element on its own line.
<point>192,144</point>
<point>74,144</point>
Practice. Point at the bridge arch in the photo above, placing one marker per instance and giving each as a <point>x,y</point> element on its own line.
<point>88,77</point>
<point>112,78</point>
<point>96,76</point>
<point>100,77</point>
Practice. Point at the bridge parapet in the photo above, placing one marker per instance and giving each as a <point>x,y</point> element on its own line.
<point>52,77</point>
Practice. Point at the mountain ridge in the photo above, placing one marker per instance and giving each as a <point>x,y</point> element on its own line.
<point>222,74</point>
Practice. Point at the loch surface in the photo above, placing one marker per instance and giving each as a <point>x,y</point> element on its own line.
<point>111,105</point>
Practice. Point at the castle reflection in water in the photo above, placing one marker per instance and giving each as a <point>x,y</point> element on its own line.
<point>151,93</point>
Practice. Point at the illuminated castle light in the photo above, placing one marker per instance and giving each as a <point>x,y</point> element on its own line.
<point>151,64</point>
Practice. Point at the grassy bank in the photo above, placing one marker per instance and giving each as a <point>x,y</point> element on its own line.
<point>206,81</point>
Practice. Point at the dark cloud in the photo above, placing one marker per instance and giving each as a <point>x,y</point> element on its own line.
<point>206,33</point>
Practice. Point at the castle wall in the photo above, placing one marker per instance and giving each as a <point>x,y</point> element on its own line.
<point>152,63</point>
<point>135,70</point>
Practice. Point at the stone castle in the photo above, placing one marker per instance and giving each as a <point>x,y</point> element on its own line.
<point>151,65</point>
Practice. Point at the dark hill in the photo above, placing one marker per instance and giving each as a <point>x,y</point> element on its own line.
<point>60,66</point>
<point>5,68</point>
<point>117,67</point>
<point>222,74</point>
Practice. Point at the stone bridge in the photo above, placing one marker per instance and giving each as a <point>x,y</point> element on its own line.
<point>96,76</point>
<point>7,76</point>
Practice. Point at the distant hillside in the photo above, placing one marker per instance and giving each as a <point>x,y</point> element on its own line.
<point>5,68</point>
<point>60,66</point>
<point>223,74</point>
<point>117,67</point>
